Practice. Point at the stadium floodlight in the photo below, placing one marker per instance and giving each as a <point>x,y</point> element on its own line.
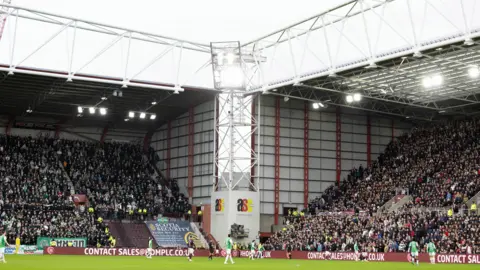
<point>103,111</point>
<point>91,110</point>
<point>286,99</point>
<point>357,97</point>
<point>427,82</point>
<point>220,58</point>
<point>80,109</point>
<point>142,115</point>
<point>104,97</point>
<point>437,80</point>
<point>131,114</point>
<point>349,99</point>
<point>315,106</point>
<point>230,58</point>
<point>473,72</point>
<point>126,119</point>
<point>232,77</point>
<point>154,102</point>
<point>153,116</point>
<point>29,110</point>
<point>321,105</point>
<point>469,41</point>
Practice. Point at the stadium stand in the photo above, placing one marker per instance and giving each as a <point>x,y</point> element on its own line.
<point>437,165</point>
<point>35,198</point>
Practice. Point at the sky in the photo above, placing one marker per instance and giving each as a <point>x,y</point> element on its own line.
<point>201,21</point>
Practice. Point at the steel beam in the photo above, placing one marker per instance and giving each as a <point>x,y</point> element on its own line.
<point>191,134</point>
<point>306,109</point>
<point>169,148</point>
<point>277,161</point>
<point>338,145</point>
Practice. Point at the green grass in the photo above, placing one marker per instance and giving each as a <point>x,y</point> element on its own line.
<point>33,262</point>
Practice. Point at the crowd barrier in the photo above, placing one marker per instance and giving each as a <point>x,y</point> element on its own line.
<point>302,255</point>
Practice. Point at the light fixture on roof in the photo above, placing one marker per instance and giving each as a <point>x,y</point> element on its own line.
<point>153,116</point>
<point>126,119</point>
<point>69,79</point>
<point>104,97</point>
<point>432,81</point>
<point>80,109</point>
<point>29,110</point>
<point>408,117</point>
<point>383,91</point>
<point>473,72</point>
<point>154,102</point>
<point>315,106</point>
<point>131,114</point>
<point>264,90</point>
<point>91,110</point>
<point>357,97</point>
<point>469,41</point>
<point>142,115</point>
<point>372,65</point>
<point>11,72</point>
<point>417,54</point>
<point>103,111</point>
<point>349,98</point>
<point>286,99</point>
<point>442,111</point>
<point>177,89</point>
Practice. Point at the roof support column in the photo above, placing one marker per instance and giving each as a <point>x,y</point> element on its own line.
<point>277,161</point>
<point>252,146</point>
<point>8,128</point>
<point>305,153</point>
<point>169,146</point>
<point>191,130</point>
<point>215,154</point>
<point>104,134</point>
<point>369,141</point>
<point>338,147</point>
<point>146,141</point>
<point>393,130</point>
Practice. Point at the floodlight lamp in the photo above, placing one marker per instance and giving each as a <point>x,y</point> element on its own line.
<point>80,109</point>
<point>230,58</point>
<point>126,119</point>
<point>142,115</point>
<point>104,97</point>
<point>153,116</point>
<point>29,110</point>
<point>473,72</point>
<point>321,105</point>
<point>131,114</point>
<point>417,54</point>
<point>103,111</point>
<point>437,80</point>
<point>469,41</point>
<point>220,58</point>
<point>427,82</point>
<point>154,102</point>
<point>91,110</point>
<point>69,79</point>
<point>315,106</point>
<point>349,99</point>
<point>232,77</point>
<point>286,99</point>
<point>357,97</point>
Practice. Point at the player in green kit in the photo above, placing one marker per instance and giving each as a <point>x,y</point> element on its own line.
<point>413,249</point>
<point>3,244</point>
<point>431,249</point>
<point>357,253</point>
<point>252,250</point>
<point>228,246</point>
<point>150,248</point>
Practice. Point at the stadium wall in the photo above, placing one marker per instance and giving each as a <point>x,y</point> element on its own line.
<point>188,140</point>
<point>297,122</point>
<point>171,142</point>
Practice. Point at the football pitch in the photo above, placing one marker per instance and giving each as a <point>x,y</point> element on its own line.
<point>20,262</point>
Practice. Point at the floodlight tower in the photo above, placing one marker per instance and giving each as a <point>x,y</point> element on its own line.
<point>3,16</point>
<point>235,196</point>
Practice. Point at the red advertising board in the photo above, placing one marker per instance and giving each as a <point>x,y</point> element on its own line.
<point>302,255</point>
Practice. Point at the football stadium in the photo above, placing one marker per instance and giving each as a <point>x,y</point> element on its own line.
<point>217,134</point>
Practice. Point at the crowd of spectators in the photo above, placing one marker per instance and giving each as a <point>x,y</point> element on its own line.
<point>438,166</point>
<point>36,192</point>
<point>384,233</point>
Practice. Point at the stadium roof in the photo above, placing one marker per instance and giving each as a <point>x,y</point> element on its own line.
<point>383,49</point>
